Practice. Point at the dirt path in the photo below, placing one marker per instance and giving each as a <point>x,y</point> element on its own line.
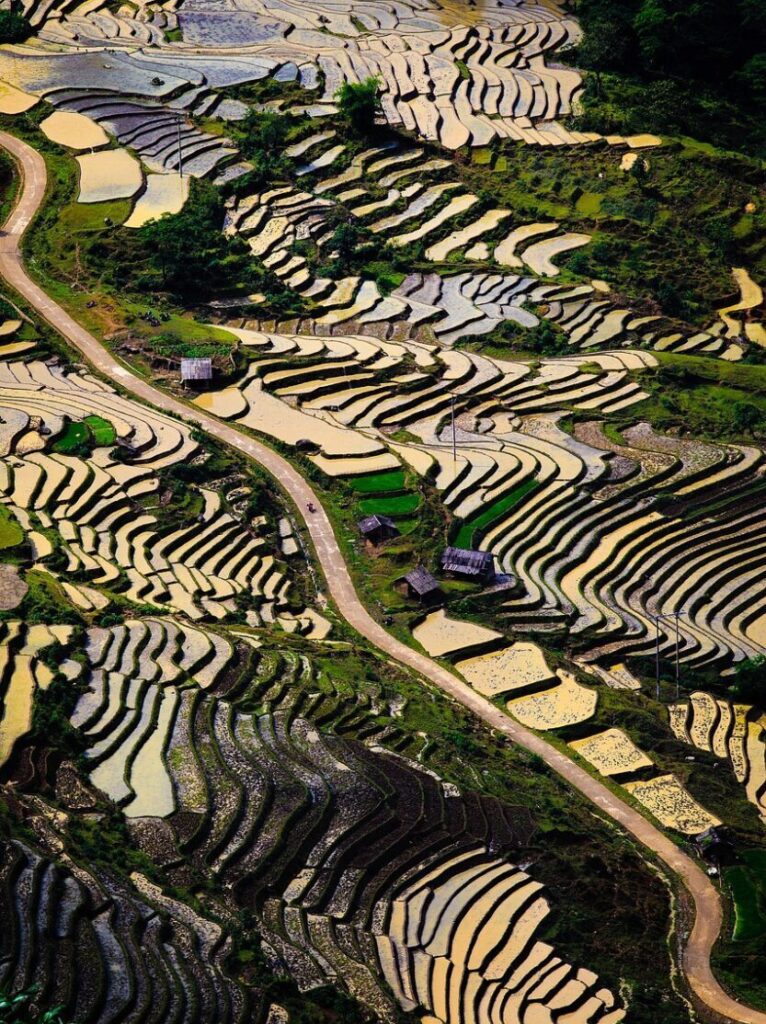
<point>708,911</point>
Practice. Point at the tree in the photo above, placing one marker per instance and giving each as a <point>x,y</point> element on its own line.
<point>14,27</point>
<point>752,78</point>
<point>746,417</point>
<point>750,681</point>
<point>359,104</point>
<point>189,251</point>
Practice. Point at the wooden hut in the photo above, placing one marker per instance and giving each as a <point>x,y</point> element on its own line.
<point>419,585</point>
<point>466,563</point>
<point>377,529</point>
<point>196,373</point>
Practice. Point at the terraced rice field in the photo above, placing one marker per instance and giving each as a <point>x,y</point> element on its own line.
<point>733,732</point>
<point>440,635</point>
<point>99,513</point>
<point>671,804</point>
<point>164,193</point>
<point>196,704</point>
<point>421,210</point>
<point>611,752</point>
<point>451,79</point>
<point>75,131</point>
<point>520,667</point>
<point>574,513</point>
<point>213,787</point>
<point>110,174</point>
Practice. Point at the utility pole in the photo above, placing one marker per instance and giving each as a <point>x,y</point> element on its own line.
<point>657,618</point>
<point>180,152</point>
<point>454,436</point>
<point>678,659</point>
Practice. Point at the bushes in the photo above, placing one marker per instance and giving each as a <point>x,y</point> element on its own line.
<point>262,137</point>
<point>750,681</point>
<point>188,251</point>
<point>707,40</point>
<point>14,27</point>
<point>694,69</point>
<point>18,1009</point>
<point>359,104</point>
<point>544,339</point>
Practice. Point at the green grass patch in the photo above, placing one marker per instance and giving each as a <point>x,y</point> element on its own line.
<point>747,883</point>
<point>11,533</point>
<point>101,430</point>
<point>78,217</point>
<point>378,483</point>
<point>466,532</point>
<point>589,204</point>
<point>81,436</point>
<point>613,434</point>
<point>396,505</point>
<point>482,156</point>
<point>76,434</point>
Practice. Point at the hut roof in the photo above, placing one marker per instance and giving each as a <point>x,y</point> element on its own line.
<point>196,369</point>
<point>467,561</point>
<point>421,581</point>
<point>372,523</point>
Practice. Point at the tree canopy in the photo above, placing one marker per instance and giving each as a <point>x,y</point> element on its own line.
<point>189,251</point>
<point>722,41</point>
<point>359,104</point>
<point>14,27</point>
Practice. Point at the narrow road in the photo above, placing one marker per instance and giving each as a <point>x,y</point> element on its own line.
<point>707,904</point>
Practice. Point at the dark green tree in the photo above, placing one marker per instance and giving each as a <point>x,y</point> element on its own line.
<point>189,251</point>
<point>359,104</point>
<point>750,681</point>
<point>746,417</point>
<point>14,27</point>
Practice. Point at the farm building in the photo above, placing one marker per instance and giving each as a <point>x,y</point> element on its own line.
<point>419,584</point>
<point>474,565</point>
<point>196,372</point>
<point>377,528</point>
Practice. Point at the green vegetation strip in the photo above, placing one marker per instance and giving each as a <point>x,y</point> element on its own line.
<point>466,533</point>
<point>397,505</point>
<point>11,533</point>
<point>377,483</point>
<point>102,430</point>
<point>93,431</point>
<point>748,888</point>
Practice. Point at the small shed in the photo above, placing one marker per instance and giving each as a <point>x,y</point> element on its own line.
<point>377,528</point>
<point>196,372</point>
<point>468,564</point>
<point>419,584</point>
<point>715,846</point>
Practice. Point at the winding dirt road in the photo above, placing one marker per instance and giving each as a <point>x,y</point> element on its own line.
<point>707,904</point>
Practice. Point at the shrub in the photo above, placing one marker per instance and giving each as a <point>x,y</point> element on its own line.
<point>14,27</point>
<point>359,104</point>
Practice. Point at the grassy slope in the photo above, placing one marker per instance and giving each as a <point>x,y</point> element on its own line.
<point>674,236</point>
